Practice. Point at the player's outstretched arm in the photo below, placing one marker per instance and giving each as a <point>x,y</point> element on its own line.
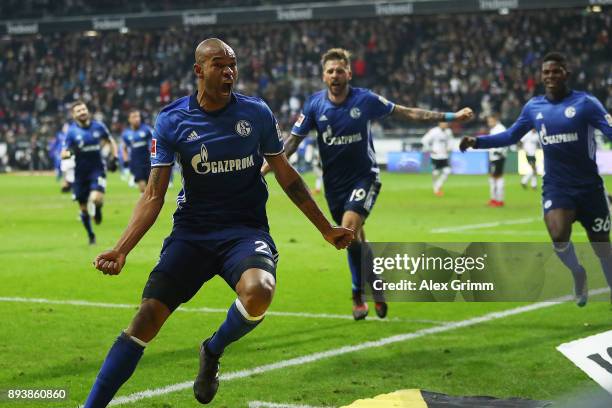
<point>143,217</point>
<point>423,115</point>
<point>291,144</point>
<point>296,189</point>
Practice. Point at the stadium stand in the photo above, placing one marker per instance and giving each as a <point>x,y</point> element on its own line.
<point>486,61</point>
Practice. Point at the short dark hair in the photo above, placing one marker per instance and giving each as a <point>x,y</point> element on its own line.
<point>77,103</point>
<point>134,110</point>
<point>556,57</point>
<point>336,54</point>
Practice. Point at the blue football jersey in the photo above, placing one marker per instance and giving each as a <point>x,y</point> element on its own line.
<point>138,142</point>
<point>343,133</point>
<point>85,143</point>
<point>221,154</point>
<point>566,131</point>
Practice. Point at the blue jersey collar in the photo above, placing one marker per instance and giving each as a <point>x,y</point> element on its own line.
<point>348,96</point>
<point>193,104</point>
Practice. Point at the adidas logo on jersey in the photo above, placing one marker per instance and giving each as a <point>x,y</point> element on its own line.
<point>192,136</point>
<point>322,118</point>
<point>540,116</point>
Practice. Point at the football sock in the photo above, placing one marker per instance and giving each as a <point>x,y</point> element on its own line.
<point>525,178</point>
<point>567,255</point>
<point>236,325</point>
<point>99,209</point>
<point>354,261</point>
<point>118,366</point>
<point>606,266</point>
<point>87,223</point>
<point>534,181</point>
<point>492,188</point>
<point>499,189</point>
<point>443,177</point>
<point>377,295</point>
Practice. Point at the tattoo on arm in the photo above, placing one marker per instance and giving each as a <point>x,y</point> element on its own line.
<point>298,192</point>
<point>419,115</point>
<point>291,144</point>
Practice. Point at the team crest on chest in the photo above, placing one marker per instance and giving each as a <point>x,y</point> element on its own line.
<point>243,128</point>
<point>570,112</point>
<point>355,113</point>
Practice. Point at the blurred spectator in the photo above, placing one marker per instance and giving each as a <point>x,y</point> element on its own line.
<point>489,62</point>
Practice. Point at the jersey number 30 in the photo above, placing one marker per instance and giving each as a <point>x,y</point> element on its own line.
<point>601,225</point>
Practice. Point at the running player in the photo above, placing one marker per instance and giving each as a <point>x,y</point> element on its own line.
<point>437,141</point>
<point>84,139</point>
<point>497,160</point>
<point>572,189</point>
<point>341,116</point>
<point>136,144</point>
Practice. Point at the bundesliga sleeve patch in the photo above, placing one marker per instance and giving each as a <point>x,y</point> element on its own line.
<point>299,120</point>
<point>608,118</point>
<point>153,147</point>
<point>383,100</point>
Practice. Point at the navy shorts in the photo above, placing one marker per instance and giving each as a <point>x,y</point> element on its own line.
<point>496,167</point>
<point>82,186</point>
<point>185,263</point>
<point>140,173</point>
<point>360,198</point>
<point>531,160</point>
<point>590,204</point>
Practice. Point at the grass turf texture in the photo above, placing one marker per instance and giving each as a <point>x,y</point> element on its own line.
<point>44,254</point>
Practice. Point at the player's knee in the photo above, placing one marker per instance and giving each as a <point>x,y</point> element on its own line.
<point>257,293</point>
<point>559,237</point>
<point>149,319</point>
<point>446,170</point>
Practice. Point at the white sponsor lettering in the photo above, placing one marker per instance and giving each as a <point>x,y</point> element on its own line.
<point>13,28</point>
<point>498,4</point>
<point>292,15</point>
<point>554,139</point>
<point>108,23</point>
<point>201,165</point>
<point>394,9</point>
<point>331,140</point>
<point>199,19</point>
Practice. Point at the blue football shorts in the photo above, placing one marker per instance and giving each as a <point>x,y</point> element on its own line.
<point>186,264</point>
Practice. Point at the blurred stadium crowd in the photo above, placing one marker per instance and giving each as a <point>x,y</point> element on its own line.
<point>488,62</point>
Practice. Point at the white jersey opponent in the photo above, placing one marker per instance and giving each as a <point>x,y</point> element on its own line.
<point>531,142</point>
<point>499,152</point>
<point>438,141</point>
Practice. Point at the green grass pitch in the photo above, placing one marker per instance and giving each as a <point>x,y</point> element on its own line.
<point>44,254</point>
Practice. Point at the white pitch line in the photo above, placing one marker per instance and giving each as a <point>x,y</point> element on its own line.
<point>521,232</point>
<point>86,303</point>
<point>483,225</point>
<point>265,404</point>
<point>309,358</point>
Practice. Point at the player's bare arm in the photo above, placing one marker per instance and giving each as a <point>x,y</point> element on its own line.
<point>423,115</point>
<point>296,189</point>
<point>291,144</point>
<point>143,217</point>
